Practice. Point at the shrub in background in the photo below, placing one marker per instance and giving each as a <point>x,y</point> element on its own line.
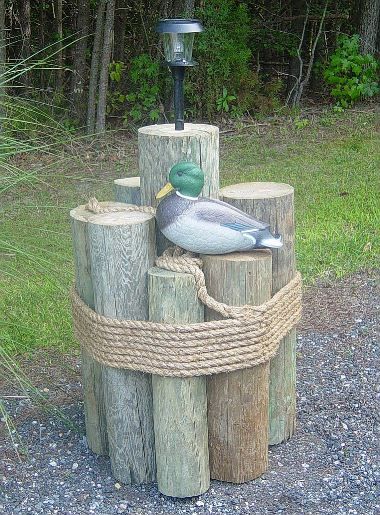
<point>224,57</point>
<point>351,75</point>
<point>136,91</point>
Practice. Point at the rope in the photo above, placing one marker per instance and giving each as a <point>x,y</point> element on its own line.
<point>247,336</point>
<point>95,207</point>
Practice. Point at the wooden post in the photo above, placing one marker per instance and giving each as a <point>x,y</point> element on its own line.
<point>94,410</point>
<point>122,249</point>
<point>274,203</point>
<point>128,190</point>
<point>179,404</point>
<point>161,147</point>
<point>238,401</point>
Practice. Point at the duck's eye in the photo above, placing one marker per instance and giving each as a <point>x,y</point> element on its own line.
<point>179,174</point>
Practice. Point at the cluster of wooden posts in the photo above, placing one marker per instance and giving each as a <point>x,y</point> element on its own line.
<point>182,431</point>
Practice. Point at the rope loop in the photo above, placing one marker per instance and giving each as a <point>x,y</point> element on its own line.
<point>245,337</point>
<point>176,259</point>
<point>95,207</point>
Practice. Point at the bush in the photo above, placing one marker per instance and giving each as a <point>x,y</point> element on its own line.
<point>143,82</point>
<point>223,54</point>
<point>351,74</point>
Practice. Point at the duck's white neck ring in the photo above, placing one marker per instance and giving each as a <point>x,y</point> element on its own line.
<point>186,196</point>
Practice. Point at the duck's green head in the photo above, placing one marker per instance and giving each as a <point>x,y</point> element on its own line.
<point>186,178</point>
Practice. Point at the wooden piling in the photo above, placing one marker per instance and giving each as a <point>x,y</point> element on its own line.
<point>238,401</point>
<point>179,404</point>
<point>128,190</point>
<point>274,204</point>
<point>93,399</point>
<point>161,147</point>
<point>122,249</point>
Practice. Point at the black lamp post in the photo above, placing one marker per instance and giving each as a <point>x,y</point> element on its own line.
<point>178,36</point>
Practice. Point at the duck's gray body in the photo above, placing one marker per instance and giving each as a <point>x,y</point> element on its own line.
<point>209,226</point>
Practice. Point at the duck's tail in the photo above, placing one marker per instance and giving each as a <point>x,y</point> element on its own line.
<point>267,240</point>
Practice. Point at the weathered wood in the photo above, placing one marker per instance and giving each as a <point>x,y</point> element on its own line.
<point>238,401</point>
<point>274,204</point>
<point>96,430</point>
<point>161,147</point>
<point>179,404</point>
<point>128,190</point>
<point>121,249</point>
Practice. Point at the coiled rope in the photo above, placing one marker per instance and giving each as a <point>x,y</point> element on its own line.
<point>247,336</point>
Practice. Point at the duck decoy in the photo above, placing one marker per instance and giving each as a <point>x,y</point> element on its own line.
<point>203,225</point>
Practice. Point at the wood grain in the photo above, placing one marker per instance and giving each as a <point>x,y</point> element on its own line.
<point>274,204</point>
<point>161,147</point>
<point>128,190</point>
<point>238,401</point>
<point>179,404</point>
<point>93,399</point>
<point>122,251</point>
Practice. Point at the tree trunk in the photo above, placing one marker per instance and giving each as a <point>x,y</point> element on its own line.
<point>104,66</point>
<point>294,69</point>
<point>41,30</point>
<point>79,75</point>
<point>304,82</point>
<point>121,17</point>
<point>369,26</point>
<point>26,32</point>
<point>58,17</point>
<point>94,71</point>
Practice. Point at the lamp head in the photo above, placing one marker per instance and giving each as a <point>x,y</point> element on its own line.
<point>178,38</point>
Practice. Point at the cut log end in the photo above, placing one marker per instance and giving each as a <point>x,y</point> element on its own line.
<point>168,130</point>
<point>121,218</point>
<point>128,182</point>
<point>256,190</point>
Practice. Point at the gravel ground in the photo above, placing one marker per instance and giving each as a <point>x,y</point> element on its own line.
<point>331,465</point>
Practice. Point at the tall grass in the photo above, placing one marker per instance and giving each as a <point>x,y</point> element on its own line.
<point>27,126</point>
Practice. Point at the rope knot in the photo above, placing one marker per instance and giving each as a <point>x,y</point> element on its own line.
<point>93,206</point>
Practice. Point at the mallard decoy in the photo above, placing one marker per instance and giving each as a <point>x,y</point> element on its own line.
<point>204,225</point>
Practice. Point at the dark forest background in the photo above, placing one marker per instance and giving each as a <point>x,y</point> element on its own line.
<point>97,63</point>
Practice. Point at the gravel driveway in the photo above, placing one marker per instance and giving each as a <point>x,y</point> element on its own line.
<point>331,465</point>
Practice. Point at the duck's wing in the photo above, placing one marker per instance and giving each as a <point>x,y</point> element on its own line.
<point>225,215</point>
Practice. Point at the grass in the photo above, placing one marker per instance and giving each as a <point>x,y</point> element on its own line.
<point>333,162</point>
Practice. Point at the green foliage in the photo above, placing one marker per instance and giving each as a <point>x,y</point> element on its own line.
<point>223,54</point>
<point>116,70</point>
<point>352,75</point>
<point>142,81</point>
<point>274,40</point>
<point>115,98</point>
<point>301,123</point>
<point>260,96</point>
<point>144,97</point>
<point>223,103</point>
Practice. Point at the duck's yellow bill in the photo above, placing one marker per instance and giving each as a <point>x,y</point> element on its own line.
<point>165,190</point>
